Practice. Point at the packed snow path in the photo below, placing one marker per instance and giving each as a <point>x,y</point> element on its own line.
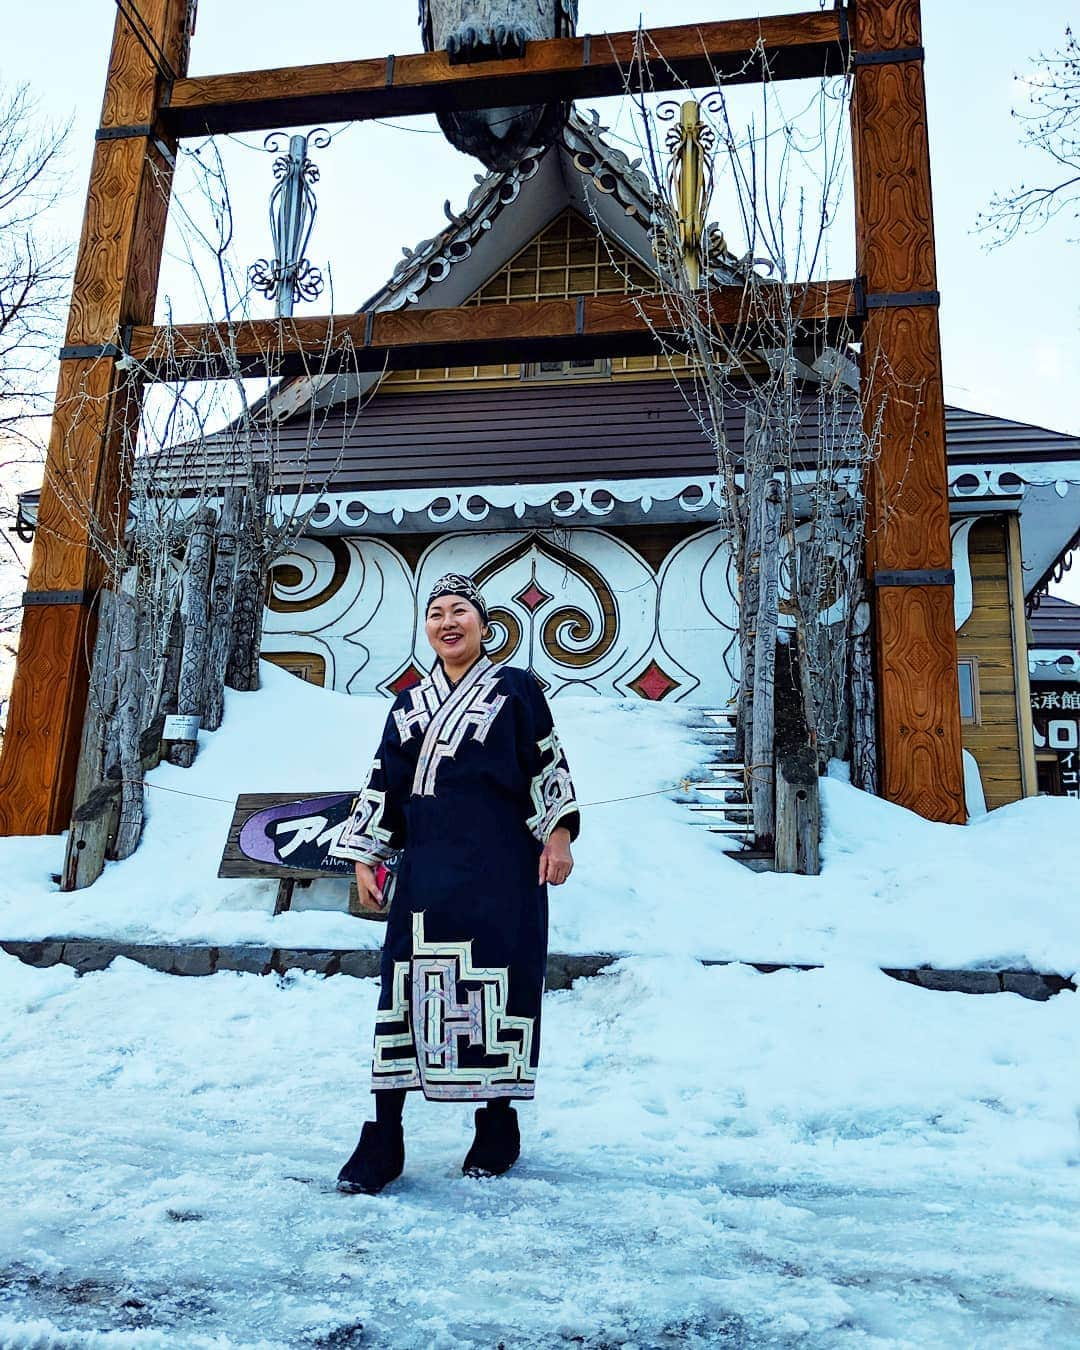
<point>716,1157</point>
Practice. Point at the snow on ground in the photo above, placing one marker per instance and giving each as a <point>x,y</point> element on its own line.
<point>715,1157</point>
<point>896,890</point>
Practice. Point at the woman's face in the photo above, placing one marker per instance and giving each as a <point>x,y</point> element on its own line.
<point>454,629</point>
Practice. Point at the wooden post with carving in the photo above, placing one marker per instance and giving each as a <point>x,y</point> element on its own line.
<point>84,492</point>
<point>909,556</point>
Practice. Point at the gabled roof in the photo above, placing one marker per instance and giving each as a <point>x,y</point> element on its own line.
<point>581,170</point>
<point>1055,623</point>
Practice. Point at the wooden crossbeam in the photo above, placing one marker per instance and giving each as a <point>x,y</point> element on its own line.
<point>525,330</point>
<point>785,47</point>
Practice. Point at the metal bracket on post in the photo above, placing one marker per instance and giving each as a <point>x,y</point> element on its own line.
<point>57,598</point>
<point>936,576</point>
<point>890,58</point>
<point>902,299</point>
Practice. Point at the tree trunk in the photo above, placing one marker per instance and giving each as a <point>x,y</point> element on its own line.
<point>760,768</point>
<point>196,633</point>
<point>864,773</point>
<point>222,595</point>
<point>243,666</point>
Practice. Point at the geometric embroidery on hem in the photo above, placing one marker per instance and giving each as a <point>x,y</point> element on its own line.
<point>420,1040</point>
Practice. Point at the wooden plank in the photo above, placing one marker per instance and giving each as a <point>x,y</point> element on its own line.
<point>115,284</point>
<point>792,46</point>
<point>520,330</point>
<point>907,520</point>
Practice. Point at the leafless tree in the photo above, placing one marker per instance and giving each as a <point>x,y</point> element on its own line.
<point>34,271</point>
<point>777,395</point>
<point>216,482</point>
<point>33,281</point>
<point>1050,122</point>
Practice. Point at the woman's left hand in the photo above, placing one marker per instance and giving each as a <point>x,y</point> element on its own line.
<point>556,864</point>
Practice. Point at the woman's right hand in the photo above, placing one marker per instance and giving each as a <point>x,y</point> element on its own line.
<point>370,895</point>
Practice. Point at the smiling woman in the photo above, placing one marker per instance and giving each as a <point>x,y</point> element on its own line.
<point>471,791</point>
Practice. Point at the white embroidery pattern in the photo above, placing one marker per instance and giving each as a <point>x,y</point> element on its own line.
<point>471,706</point>
<point>364,838</point>
<point>424,700</point>
<point>442,1026</point>
<point>552,789</point>
<point>392,1067</point>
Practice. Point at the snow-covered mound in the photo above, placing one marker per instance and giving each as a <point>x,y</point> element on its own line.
<point>896,890</point>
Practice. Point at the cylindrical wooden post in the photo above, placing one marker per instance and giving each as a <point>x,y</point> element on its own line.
<point>761,768</point>
<point>907,521</point>
<point>83,498</point>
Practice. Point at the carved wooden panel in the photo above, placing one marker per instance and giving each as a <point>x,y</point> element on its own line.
<point>885,27</point>
<point>907,485</point>
<point>893,199</point>
<point>919,701</point>
<point>41,743</point>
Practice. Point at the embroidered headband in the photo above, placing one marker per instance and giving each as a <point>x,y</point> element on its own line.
<point>453,584</point>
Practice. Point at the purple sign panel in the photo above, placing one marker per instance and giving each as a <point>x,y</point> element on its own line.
<point>298,834</point>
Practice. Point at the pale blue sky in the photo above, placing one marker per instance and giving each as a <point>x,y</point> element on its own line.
<point>1010,318</point>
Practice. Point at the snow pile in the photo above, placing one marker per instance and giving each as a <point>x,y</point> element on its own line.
<point>715,1157</point>
<point>896,890</point>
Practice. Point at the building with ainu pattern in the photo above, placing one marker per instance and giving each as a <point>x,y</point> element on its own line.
<point>583,496</point>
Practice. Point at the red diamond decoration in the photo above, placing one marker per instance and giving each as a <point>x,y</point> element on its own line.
<point>532,597</point>
<point>653,683</point>
<point>408,678</point>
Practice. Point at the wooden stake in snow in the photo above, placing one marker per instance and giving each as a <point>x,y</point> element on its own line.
<point>761,744</point>
<point>798,802</point>
<point>243,667</point>
<point>222,597</point>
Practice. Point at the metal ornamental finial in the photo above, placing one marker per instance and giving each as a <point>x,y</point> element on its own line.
<point>690,144</point>
<point>288,276</point>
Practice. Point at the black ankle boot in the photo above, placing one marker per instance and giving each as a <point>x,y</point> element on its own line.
<point>496,1146</point>
<point>377,1159</point>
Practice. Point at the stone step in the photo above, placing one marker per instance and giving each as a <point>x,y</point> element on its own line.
<point>90,954</point>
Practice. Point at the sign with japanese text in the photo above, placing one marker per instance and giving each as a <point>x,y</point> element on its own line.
<point>273,834</point>
<point>1055,713</point>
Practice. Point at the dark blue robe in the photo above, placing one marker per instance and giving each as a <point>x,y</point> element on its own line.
<point>469,781</point>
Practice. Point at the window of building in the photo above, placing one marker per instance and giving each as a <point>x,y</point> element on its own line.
<point>968,669</point>
<point>554,370</point>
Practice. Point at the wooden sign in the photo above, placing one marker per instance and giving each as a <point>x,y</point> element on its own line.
<point>276,834</point>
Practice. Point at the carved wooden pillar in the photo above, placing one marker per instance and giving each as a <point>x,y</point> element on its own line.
<point>84,492</point>
<point>909,555</point>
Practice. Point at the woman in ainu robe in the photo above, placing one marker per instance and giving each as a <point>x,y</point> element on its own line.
<point>471,786</point>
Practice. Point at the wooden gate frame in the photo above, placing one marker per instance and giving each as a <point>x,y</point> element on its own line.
<point>150,104</point>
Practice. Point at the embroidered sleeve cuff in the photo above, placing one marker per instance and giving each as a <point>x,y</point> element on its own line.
<point>369,851</point>
<point>569,819</point>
